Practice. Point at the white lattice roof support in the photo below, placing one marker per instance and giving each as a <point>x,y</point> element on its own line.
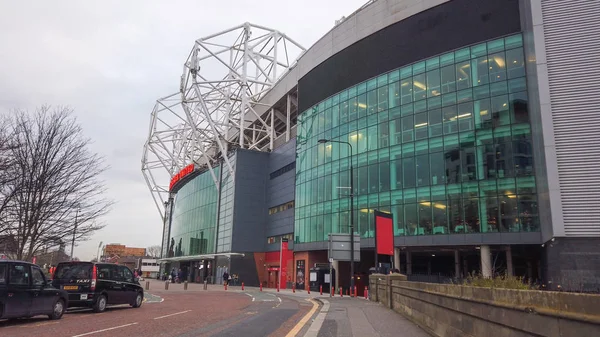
<point>225,75</point>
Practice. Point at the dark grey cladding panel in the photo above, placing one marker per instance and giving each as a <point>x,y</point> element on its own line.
<point>470,239</point>
<point>282,155</point>
<point>281,189</point>
<point>245,268</point>
<point>572,263</point>
<point>449,26</point>
<point>250,201</point>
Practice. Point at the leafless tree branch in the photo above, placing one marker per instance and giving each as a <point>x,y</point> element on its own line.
<point>56,183</point>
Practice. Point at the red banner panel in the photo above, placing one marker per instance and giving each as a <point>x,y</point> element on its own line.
<point>284,257</point>
<point>384,233</point>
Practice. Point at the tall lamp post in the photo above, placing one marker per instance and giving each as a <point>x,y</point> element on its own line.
<point>98,253</point>
<point>323,141</point>
<point>74,232</point>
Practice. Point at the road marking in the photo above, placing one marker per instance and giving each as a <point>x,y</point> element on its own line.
<point>103,330</point>
<point>304,320</point>
<point>177,313</point>
<point>278,304</point>
<point>315,327</point>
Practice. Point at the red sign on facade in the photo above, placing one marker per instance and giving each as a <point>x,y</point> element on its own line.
<point>186,170</point>
<point>284,257</point>
<point>384,233</point>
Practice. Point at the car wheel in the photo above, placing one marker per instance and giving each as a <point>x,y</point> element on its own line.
<point>58,309</point>
<point>100,304</point>
<point>139,299</point>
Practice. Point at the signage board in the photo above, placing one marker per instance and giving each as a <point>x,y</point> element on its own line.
<point>384,233</point>
<point>184,172</point>
<point>339,247</point>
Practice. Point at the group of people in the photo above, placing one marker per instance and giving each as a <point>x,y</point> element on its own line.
<point>228,279</point>
<point>176,276</point>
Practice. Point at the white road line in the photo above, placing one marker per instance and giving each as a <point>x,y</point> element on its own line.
<point>177,313</point>
<point>103,330</point>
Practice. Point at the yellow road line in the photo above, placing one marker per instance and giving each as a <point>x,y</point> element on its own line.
<point>304,320</point>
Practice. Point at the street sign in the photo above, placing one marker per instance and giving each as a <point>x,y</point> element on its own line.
<point>339,247</point>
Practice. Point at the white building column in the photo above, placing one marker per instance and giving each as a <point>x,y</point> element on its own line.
<point>456,264</point>
<point>336,266</point>
<point>509,262</point>
<point>408,263</point>
<point>486,261</point>
<point>397,258</point>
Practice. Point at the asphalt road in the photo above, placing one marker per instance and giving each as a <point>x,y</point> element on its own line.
<point>176,313</point>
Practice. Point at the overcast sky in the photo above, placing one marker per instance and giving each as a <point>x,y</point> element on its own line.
<point>110,61</point>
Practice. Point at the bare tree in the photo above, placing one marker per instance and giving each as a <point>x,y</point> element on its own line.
<point>153,251</point>
<point>56,183</point>
<point>7,190</point>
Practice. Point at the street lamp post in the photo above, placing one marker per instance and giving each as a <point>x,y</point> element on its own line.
<point>323,141</point>
<point>74,232</point>
<point>98,252</point>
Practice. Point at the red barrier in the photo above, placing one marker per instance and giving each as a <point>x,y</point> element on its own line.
<point>341,292</point>
<point>366,293</point>
<point>355,293</point>
<point>321,290</point>
<point>261,286</point>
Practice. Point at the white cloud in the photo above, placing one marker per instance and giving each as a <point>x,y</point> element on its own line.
<point>110,60</point>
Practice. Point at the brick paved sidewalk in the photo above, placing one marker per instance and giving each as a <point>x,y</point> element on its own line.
<point>353,318</point>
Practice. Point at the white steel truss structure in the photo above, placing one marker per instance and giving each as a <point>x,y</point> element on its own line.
<point>224,78</point>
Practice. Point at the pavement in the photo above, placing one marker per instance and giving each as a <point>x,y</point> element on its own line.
<point>219,312</point>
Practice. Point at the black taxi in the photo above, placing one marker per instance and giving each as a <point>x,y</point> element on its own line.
<point>96,285</point>
<point>25,292</point>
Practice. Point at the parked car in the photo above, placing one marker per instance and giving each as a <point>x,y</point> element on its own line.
<point>96,285</point>
<point>25,292</point>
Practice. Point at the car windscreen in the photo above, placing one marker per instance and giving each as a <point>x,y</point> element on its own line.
<point>73,271</point>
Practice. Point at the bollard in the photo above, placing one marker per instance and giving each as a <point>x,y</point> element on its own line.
<point>321,289</point>
<point>185,285</point>
<point>205,284</point>
<point>277,286</point>
<point>294,288</point>
<point>354,294</point>
<point>261,286</point>
<point>308,289</point>
<point>147,285</point>
<point>225,285</point>
<point>341,292</point>
<point>166,285</point>
<point>242,285</point>
<point>366,293</point>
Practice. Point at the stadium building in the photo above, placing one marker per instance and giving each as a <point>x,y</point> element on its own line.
<point>473,122</point>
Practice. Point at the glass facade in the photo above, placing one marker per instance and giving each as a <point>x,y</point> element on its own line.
<point>443,144</point>
<point>193,226</point>
<point>226,209</point>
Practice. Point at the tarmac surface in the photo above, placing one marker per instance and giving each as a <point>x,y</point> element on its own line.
<point>219,312</point>
<point>175,312</point>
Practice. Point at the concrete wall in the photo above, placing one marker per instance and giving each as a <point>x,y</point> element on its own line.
<point>452,310</point>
